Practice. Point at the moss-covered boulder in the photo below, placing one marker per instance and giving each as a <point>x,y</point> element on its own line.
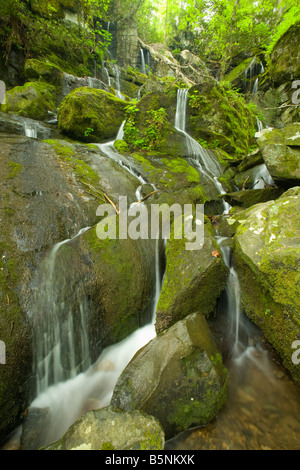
<point>281,154</point>
<point>267,262</point>
<point>284,62</point>
<point>178,377</point>
<point>91,115</point>
<point>219,117</point>
<point>283,163</point>
<point>238,75</point>
<point>279,90</point>
<point>110,429</point>
<point>33,100</point>
<point>193,281</point>
<point>43,71</point>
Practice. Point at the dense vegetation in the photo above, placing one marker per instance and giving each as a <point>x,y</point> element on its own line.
<point>221,31</point>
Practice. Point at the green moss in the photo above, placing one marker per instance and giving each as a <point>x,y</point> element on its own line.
<point>9,211</point>
<point>62,148</point>
<point>96,111</point>
<point>69,154</point>
<point>151,441</point>
<point>219,114</point>
<point>121,146</point>
<point>271,284</point>
<point>15,169</point>
<point>43,71</point>
<point>238,71</point>
<point>107,446</point>
<point>33,100</point>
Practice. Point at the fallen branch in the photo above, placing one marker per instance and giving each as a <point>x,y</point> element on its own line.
<point>244,185</point>
<point>146,197</point>
<point>103,195</point>
<point>284,106</point>
<point>114,206</point>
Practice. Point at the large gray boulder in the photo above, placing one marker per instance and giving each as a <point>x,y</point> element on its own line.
<point>109,429</point>
<point>179,377</point>
<point>267,243</point>
<point>281,154</point>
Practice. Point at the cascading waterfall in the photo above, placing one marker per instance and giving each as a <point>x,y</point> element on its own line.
<point>204,160</point>
<point>54,338</point>
<point>30,130</point>
<point>110,151</point>
<point>143,63</point>
<point>68,397</point>
<point>232,292</point>
<point>262,176</point>
<point>208,166</point>
<point>117,81</point>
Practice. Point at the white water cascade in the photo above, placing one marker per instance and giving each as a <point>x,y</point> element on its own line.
<point>67,400</point>
<point>30,129</point>
<point>53,325</point>
<point>262,176</point>
<point>203,159</point>
<point>232,296</point>
<point>110,151</point>
<point>117,81</point>
<point>143,63</point>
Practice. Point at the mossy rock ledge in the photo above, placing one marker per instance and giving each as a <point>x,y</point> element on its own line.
<point>267,243</point>
<point>91,115</point>
<point>178,377</point>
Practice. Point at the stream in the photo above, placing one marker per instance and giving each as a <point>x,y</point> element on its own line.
<point>263,406</point>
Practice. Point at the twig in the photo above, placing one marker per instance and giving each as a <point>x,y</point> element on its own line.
<point>244,185</point>
<point>102,195</point>
<point>146,197</point>
<point>114,206</point>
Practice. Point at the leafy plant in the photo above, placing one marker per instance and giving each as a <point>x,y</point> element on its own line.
<point>88,131</point>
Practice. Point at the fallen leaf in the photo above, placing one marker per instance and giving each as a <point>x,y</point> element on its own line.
<point>216,253</point>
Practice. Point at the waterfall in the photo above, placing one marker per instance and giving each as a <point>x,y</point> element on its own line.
<point>30,129</point>
<point>59,351</point>
<point>143,63</point>
<point>255,86</point>
<point>110,151</point>
<point>232,292</point>
<point>117,81</point>
<point>262,176</point>
<point>204,160</point>
<point>67,396</point>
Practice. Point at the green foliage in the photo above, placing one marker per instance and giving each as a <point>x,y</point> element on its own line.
<point>290,18</point>
<point>88,131</point>
<point>38,28</point>
<point>150,136</point>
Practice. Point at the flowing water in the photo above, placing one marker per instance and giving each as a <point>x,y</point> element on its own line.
<point>262,411</point>
<point>67,395</point>
<point>263,406</point>
<point>202,159</point>
<point>30,129</point>
<point>143,63</point>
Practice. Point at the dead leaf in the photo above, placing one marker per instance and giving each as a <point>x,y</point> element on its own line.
<point>216,253</point>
